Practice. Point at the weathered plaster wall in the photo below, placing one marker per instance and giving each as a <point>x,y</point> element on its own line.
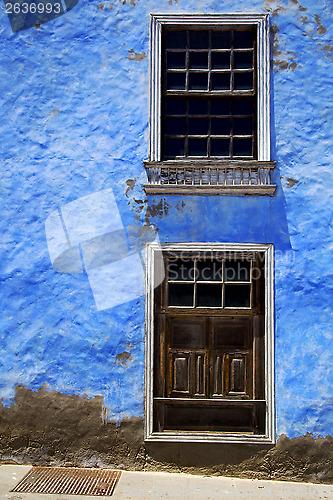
<point>74,106</point>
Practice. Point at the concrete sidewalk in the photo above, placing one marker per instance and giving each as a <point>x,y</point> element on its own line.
<point>152,485</point>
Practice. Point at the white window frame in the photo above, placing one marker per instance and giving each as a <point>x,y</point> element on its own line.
<point>263,165</point>
<point>153,255</point>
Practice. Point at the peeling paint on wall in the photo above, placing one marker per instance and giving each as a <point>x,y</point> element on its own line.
<point>134,56</point>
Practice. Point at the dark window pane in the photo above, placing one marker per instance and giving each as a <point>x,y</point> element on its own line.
<point>175,126</point>
<point>231,332</point>
<point>197,126</point>
<point>198,81</point>
<point>221,40</point>
<point>243,39</point>
<point>199,40</point>
<point>220,81</point>
<point>243,106</point>
<point>176,39</point>
<point>198,60</point>
<point>219,147</point>
<point>220,107</point>
<point>197,147</point>
<point>220,60</point>
<point>243,60</point>
<point>209,295</point>
<point>175,106</point>
<point>176,81</point>
<point>187,334</point>
<point>174,147</point>
<point>237,270</point>
<point>243,126</point>
<point>176,60</point>
<point>209,270</point>
<point>180,294</point>
<point>197,107</point>
<point>237,295</point>
<point>180,270</point>
<point>242,147</point>
<point>243,81</point>
<point>220,126</point>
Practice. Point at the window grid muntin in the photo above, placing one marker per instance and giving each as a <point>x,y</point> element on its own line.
<point>247,148</point>
<point>223,282</point>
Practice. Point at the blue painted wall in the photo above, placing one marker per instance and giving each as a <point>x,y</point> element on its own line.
<point>74,107</point>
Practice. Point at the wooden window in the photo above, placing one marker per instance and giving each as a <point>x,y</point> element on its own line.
<point>209,346</point>
<point>209,93</point>
<point>209,109</point>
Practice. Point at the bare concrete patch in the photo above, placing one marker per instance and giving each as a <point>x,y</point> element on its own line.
<point>49,428</point>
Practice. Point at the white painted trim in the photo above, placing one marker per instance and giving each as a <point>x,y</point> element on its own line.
<point>263,58</point>
<point>269,437</point>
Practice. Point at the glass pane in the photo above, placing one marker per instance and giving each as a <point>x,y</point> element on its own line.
<point>219,147</point>
<point>209,295</point>
<point>176,81</point>
<point>237,270</point>
<point>243,126</point>
<point>220,39</point>
<point>176,39</point>
<point>243,81</point>
<point>174,147</point>
<point>243,106</point>
<point>197,107</point>
<point>187,333</point>
<point>220,126</point>
<point>243,60</point>
<point>220,81</point>
<point>180,270</point>
<point>197,147</point>
<point>175,126</point>
<point>242,147</point>
<point>243,39</point>
<point>181,294</point>
<point>198,81</point>
<point>198,60</point>
<point>175,106</point>
<point>220,60</point>
<point>197,126</point>
<point>199,39</point>
<point>209,270</point>
<point>220,106</point>
<point>176,60</point>
<point>237,295</point>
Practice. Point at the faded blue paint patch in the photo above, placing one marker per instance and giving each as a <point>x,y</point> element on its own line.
<point>74,113</point>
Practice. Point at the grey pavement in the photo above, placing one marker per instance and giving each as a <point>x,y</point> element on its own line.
<point>153,485</point>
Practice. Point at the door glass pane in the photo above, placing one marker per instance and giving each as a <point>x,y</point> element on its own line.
<point>238,270</point>
<point>209,270</point>
<point>237,295</point>
<point>180,270</point>
<point>209,295</point>
<point>181,294</point>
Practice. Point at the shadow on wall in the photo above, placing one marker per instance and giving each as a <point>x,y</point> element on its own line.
<point>49,428</point>
<point>227,219</point>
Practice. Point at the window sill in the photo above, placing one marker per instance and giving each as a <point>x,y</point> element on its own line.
<point>210,177</point>
<point>208,437</point>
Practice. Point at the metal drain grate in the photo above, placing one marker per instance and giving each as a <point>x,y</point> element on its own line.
<point>69,481</point>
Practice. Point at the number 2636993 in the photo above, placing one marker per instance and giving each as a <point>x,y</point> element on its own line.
<point>32,8</point>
